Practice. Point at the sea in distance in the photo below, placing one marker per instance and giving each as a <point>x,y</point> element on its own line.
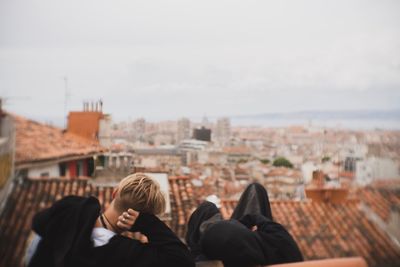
<point>354,120</point>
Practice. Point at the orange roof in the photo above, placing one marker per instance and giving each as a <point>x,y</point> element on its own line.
<point>236,150</point>
<point>38,142</point>
<point>296,129</point>
<point>282,171</point>
<point>382,198</point>
<point>322,230</point>
<point>29,197</point>
<point>326,230</point>
<point>239,171</point>
<point>346,174</point>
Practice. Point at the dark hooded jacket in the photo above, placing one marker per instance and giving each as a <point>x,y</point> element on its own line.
<point>66,228</point>
<point>233,242</point>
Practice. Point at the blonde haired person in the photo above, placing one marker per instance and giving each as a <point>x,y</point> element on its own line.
<point>74,231</point>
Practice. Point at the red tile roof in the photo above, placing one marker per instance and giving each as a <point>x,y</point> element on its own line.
<point>38,142</point>
<point>346,174</point>
<point>236,150</point>
<point>322,230</point>
<point>286,172</point>
<point>382,198</point>
<point>30,196</point>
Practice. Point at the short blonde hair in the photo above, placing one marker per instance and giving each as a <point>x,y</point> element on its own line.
<point>141,193</point>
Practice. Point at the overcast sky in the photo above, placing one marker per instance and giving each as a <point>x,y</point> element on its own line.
<point>169,58</point>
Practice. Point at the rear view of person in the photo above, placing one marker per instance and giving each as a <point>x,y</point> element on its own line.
<point>74,231</point>
<point>249,238</point>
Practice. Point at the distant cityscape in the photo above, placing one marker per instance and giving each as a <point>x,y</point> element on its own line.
<point>234,155</point>
<point>353,120</point>
<point>248,153</point>
<point>306,167</point>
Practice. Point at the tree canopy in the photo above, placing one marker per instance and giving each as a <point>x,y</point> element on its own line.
<point>282,162</point>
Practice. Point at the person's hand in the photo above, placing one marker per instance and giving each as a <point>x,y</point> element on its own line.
<point>141,237</point>
<point>136,236</point>
<point>127,219</point>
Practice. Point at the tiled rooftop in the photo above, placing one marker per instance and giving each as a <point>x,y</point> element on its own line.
<point>286,172</point>
<point>382,198</point>
<point>36,142</point>
<point>322,230</point>
<point>236,150</point>
<point>30,196</point>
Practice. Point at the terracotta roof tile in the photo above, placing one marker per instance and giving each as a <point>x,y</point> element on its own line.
<point>322,230</point>
<point>347,174</point>
<point>36,142</point>
<point>282,171</point>
<point>236,150</point>
<point>382,198</point>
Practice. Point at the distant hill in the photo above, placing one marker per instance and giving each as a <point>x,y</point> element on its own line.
<point>348,115</point>
<point>360,119</point>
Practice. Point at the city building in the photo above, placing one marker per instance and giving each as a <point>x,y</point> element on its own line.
<point>113,165</point>
<point>202,134</point>
<point>212,156</point>
<point>222,131</point>
<point>139,129</point>
<point>236,154</point>
<point>91,123</point>
<point>183,130</point>
<point>167,159</point>
<point>7,149</point>
<point>46,151</point>
<point>193,145</point>
<point>284,183</point>
<point>376,168</point>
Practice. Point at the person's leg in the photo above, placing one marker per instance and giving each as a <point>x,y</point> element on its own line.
<point>206,214</point>
<point>254,200</point>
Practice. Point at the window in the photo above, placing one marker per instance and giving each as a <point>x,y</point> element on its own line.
<point>79,168</point>
<point>63,169</point>
<point>45,175</point>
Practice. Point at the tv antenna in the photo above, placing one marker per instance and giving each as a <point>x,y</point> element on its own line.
<point>66,98</point>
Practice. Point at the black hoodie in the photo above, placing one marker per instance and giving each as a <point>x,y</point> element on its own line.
<point>66,228</point>
<point>233,242</point>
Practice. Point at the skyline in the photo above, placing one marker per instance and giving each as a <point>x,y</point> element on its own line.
<point>167,60</point>
<point>358,120</point>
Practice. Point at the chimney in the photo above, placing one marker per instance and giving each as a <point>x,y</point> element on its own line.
<point>318,179</point>
<point>86,123</point>
<point>327,195</point>
<point>318,192</point>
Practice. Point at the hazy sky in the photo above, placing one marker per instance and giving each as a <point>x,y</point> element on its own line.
<point>169,58</point>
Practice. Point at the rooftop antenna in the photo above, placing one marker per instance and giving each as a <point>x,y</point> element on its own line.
<point>66,96</point>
